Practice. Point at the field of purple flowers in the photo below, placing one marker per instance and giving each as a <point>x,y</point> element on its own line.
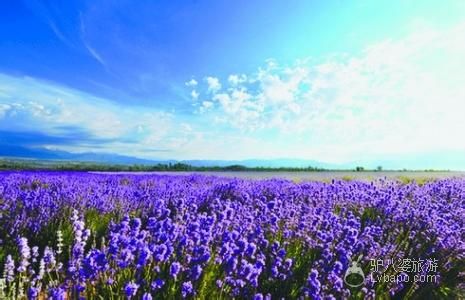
<point>94,236</point>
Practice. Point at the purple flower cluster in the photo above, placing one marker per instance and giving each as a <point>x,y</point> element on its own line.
<point>147,236</point>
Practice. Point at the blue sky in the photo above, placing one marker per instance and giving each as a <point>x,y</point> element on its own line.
<point>335,81</point>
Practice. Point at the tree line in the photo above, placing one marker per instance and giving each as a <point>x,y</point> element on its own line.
<point>89,166</point>
<point>8,164</point>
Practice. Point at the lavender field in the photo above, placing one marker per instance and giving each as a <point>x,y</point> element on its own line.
<point>153,236</point>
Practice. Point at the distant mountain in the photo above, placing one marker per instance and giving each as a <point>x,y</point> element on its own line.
<point>9,151</point>
<point>31,153</point>
<point>437,161</point>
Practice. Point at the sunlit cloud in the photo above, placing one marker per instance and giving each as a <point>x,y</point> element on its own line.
<point>214,84</point>
<point>194,94</point>
<point>191,82</point>
<point>401,96</point>
<point>30,105</point>
<point>398,96</point>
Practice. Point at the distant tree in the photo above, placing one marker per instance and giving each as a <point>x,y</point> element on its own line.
<point>379,168</point>
<point>359,169</point>
<point>235,168</point>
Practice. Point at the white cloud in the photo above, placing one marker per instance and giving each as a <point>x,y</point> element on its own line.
<point>39,110</point>
<point>95,54</point>
<point>4,108</point>
<point>31,105</point>
<point>235,79</point>
<point>195,95</point>
<point>192,83</point>
<point>214,84</point>
<point>207,104</point>
<point>397,96</point>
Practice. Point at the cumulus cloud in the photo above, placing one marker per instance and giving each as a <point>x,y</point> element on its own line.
<point>393,97</point>
<point>195,95</point>
<point>235,79</point>
<point>191,82</point>
<point>207,104</point>
<point>396,96</point>
<point>214,84</point>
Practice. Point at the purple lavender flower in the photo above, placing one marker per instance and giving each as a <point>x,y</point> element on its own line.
<point>35,253</point>
<point>93,264</point>
<point>25,254</point>
<point>251,248</point>
<point>57,293</point>
<point>196,272</point>
<point>147,296</point>
<point>219,283</point>
<point>187,289</point>
<point>145,256</point>
<point>314,284</point>
<point>136,224</point>
<point>258,296</point>
<point>130,289</point>
<point>157,284</point>
<point>49,259</point>
<point>175,268</point>
<point>181,222</point>
<point>33,293</point>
